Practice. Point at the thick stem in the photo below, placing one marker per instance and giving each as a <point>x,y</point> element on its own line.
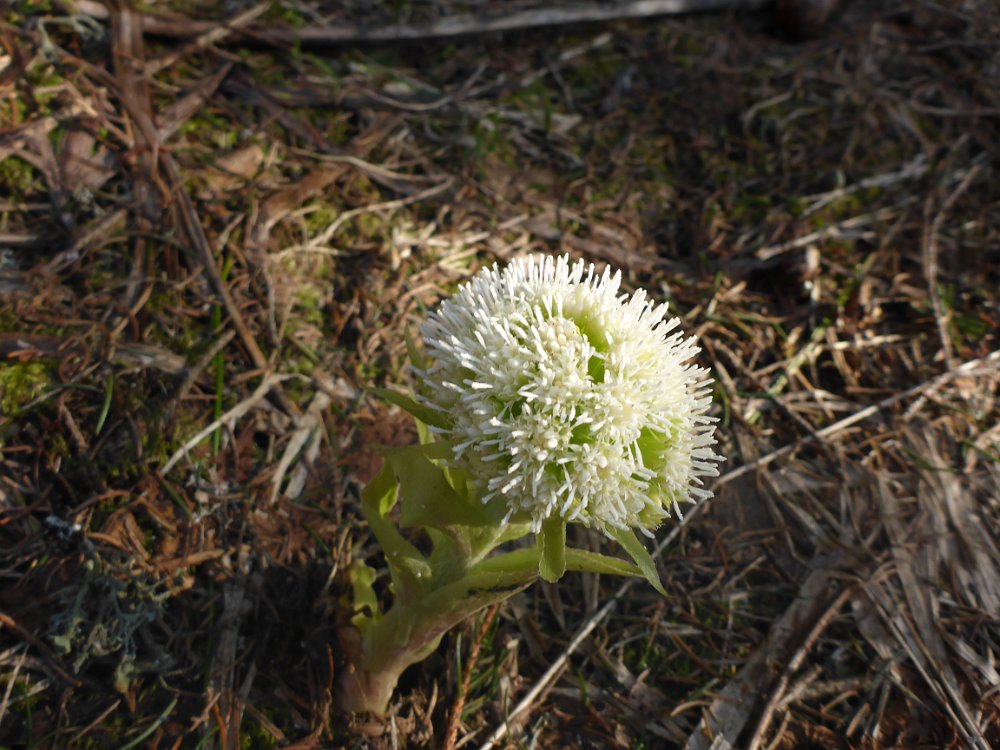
<point>368,687</point>
<point>408,633</point>
<point>367,692</point>
<point>404,636</point>
<point>411,630</point>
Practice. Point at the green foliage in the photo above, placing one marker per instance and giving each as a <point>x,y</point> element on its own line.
<point>463,571</point>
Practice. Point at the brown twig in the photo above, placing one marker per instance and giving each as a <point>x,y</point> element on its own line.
<point>932,229</point>
<point>11,681</point>
<point>265,387</point>
<point>195,370</point>
<point>455,717</point>
<point>794,663</point>
<point>846,228</point>
<point>213,35</point>
<point>170,120</point>
<point>96,229</point>
<point>51,661</point>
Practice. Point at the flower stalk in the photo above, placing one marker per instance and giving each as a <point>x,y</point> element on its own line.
<point>546,398</point>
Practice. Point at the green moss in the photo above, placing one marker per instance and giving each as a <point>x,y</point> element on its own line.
<point>281,14</point>
<point>590,74</point>
<point>369,226</point>
<point>795,206</point>
<point>749,209</point>
<point>210,129</point>
<point>254,735</point>
<point>320,217</point>
<point>12,109</point>
<point>361,190</point>
<point>489,140</point>
<point>310,302</point>
<point>56,445</point>
<point>29,8</point>
<point>159,444</point>
<point>19,177</point>
<point>842,208</point>
<point>689,47</point>
<point>20,384</point>
<point>184,334</point>
<point>335,129</point>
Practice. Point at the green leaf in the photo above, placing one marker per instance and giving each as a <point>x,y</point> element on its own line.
<point>485,539</point>
<point>526,559</point>
<point>638,552</point>
<point>424,413</point>
<point>459,480</point>
<point>594,562</point>
<point>379,495</point>
<point>362,578</point>
<point>552,549</point>
<point>521,560</point>
<point>411,574</point>
<point>428,498</point>
<point>436,449</point>
<point>424,434</point>
<point>416,358</point>
<point>449,557</point>
<point>408,634</point>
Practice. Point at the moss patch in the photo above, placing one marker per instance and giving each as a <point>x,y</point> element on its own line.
<point>20,384</point>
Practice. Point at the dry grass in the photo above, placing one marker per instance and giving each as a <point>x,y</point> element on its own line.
<point>211,247</point>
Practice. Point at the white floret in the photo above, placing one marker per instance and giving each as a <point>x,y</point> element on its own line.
<point>555,386</point>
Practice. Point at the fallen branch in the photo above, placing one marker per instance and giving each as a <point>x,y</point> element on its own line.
<point>471,24</point>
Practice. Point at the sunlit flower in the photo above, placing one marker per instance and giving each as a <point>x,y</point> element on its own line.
<point>569,398</point>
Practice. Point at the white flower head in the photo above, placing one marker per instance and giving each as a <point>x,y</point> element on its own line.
<point>568,398</point>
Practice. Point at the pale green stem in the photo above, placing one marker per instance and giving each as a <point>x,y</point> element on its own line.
<point>408,633</point>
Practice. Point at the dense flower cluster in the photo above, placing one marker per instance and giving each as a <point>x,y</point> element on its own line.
<point>567,397</point>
